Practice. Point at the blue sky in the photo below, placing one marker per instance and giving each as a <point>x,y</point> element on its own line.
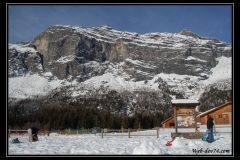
<point>27,21</point>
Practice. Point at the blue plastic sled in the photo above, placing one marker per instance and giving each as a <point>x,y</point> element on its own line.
<point>204,137</point>
<point>15,141</point>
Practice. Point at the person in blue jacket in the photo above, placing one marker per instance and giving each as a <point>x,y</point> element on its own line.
<point>210,125</point>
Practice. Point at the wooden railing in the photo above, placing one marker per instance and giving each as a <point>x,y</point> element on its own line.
<point>127,132</point>
<point>17,132</point>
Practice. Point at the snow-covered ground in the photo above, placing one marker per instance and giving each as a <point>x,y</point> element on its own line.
<point>95,145</point>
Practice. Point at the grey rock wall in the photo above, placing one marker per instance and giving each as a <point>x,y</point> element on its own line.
<point>67,51</point>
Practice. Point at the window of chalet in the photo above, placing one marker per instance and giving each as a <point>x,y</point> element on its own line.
<point>172,124</point>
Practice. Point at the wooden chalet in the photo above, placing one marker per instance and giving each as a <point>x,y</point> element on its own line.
<point>221,114</point>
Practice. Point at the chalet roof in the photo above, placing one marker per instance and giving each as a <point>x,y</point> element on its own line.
<point>213,109</point>
<point>167,120</point>
<point>185,102</point>
<point>208,111</point>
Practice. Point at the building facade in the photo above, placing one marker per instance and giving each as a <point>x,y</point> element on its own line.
<point>221,114</point>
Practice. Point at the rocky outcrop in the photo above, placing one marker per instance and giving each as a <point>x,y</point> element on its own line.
<point>80,53</point>
<point>186,32</point>
<point>22,59</point>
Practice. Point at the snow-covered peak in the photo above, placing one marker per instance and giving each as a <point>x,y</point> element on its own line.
<point>134,71</point>
<point>189,33</point>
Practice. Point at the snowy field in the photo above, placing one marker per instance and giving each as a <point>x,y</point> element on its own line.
<point>95,145</point>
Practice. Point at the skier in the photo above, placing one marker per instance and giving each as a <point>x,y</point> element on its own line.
<point>210,124</point>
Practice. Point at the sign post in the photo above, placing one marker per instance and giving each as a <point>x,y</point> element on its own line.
<point>30,135</point>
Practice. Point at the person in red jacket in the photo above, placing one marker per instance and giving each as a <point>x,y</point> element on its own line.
<point>210,125</point>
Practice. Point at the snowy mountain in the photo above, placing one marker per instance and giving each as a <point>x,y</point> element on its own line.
<point>81,62</point>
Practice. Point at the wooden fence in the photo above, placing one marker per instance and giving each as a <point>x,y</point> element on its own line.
<point>127,132</point>
<point>106,132</point>
<point>17,132</point>
<point>217,129</point>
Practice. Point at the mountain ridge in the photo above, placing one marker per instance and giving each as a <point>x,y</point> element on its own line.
<point>99,60</point>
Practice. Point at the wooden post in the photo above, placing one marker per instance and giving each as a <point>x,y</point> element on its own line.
<point>9,132</point>
<point>102,132</point>
<point>229,118</point>
<point>194,114</point>
<point>157,133</point>
<point>175,117</point>
<point>30,135</point>
<point>129,132</point>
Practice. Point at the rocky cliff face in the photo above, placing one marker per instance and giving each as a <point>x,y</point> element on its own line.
<point>118,71</point>
<point>80,53</point>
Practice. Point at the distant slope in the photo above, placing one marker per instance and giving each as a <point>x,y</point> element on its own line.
<point>32,84</point>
